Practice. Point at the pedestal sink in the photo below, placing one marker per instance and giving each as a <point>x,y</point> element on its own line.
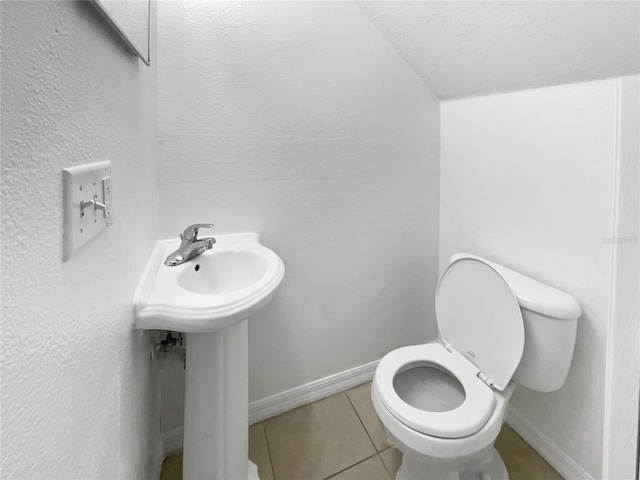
<point>210,298</point>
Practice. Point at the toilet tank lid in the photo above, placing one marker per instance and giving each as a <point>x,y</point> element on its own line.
<point>532,294</point>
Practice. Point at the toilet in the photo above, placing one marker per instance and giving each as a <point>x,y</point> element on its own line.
<point>442,404</point>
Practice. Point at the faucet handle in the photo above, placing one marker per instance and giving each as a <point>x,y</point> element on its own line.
<point>191,232</point>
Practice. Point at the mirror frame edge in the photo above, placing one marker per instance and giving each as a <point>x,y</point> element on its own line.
<point>116,27</point>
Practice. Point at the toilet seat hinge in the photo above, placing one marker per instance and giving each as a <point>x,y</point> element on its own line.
<point>485,379</point>
<point>448,346</point>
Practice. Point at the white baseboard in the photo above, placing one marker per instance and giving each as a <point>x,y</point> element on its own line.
<point>565,465</point>
<point>310,392</point>
<point>288,400</point>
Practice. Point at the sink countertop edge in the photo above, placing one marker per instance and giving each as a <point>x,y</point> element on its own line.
<point>144,284</point>
<point>167,311</point>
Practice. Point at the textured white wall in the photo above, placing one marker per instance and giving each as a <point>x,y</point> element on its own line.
<point>79,395</point>
<point>528,180</point>
<point>298,121</point>
<point>471,48</point>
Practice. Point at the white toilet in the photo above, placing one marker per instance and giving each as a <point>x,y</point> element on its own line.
<point>442,404</point>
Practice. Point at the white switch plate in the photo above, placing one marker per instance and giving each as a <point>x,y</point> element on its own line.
<point>83,184</point>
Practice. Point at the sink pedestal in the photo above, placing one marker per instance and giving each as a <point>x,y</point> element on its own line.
<point>210,298</point>
<point>216,417</point>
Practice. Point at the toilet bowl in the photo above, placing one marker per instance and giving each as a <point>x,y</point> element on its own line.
<point>442,404</point>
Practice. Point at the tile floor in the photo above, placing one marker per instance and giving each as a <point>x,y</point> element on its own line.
<point>340,438</point>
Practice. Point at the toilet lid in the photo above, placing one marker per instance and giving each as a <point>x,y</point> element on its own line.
<point>479,316</point>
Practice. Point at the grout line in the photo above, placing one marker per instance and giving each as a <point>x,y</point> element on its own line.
<point>266,439</point>
<point>266,436</point>
<point>362,423</point>
<point>393,476</point>
<point>374,445</point>
<point>351,466</point>
<point>384,464</point>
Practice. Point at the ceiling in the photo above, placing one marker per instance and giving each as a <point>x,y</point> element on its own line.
<point>468,48</point>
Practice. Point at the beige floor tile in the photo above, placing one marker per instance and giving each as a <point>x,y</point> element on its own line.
<point>259,451</point>
<point>361,399</point>
<point>324,438</point>
<point>392,458</point>
<point>317,440</point>
<point>370,469</point>
<point>522,461</point>
<point>172,468</point>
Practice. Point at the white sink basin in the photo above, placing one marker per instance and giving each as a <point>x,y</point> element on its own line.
<point>220,272</point>
<point>208,293</point>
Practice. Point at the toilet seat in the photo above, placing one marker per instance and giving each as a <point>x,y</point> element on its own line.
<point>482,334</point>
<point>466,419</point>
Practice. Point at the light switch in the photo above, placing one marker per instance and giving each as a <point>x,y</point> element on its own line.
<point>87,204</point>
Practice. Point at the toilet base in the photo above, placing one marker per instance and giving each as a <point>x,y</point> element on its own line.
<point>486,465</point>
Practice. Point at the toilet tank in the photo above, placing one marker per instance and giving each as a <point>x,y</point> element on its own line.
<point>550,323</point>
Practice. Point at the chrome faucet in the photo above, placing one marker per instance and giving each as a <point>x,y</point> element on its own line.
<point>190,245</point>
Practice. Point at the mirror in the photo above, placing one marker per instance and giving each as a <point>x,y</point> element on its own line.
<point>130,19</point>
